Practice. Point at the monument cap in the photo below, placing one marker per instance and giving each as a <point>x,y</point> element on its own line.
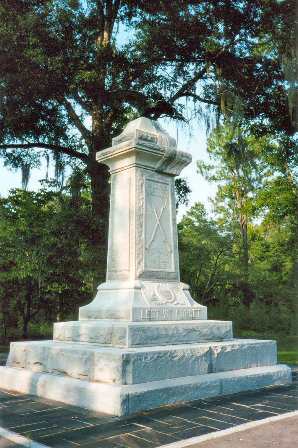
<point>147,130</point>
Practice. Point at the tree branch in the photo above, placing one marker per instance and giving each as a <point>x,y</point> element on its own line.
<point>131,96</point>
<point>83,103</point>
<point>115,9</point>
<point>77,122</point>
<point>186,88</point>
<point>199,98</point>
<point>163,106</point>
<point>65,150</point>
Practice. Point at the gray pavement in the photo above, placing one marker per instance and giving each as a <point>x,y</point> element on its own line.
<point>280,434</point>
<point>4,443</point>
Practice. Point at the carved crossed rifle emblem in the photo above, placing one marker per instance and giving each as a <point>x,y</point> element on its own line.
<point>158,224</point>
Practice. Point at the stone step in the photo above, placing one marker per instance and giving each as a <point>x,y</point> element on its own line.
<point>142,334</point>
<point>139,365</point>
<point>125,400</point>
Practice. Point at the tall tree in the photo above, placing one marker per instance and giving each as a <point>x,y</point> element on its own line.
<point>239,171</point>
<point>45,264</point>
<point>74,72</point>
<point>250,172</point>
<point>205,250</point>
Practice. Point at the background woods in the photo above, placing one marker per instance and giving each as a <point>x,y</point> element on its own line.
<point>73,73</point>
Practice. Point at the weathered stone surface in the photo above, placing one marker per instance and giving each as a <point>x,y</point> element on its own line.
<point>143,281</point>
<point>142,334</point>
<point>111,333</point>
<point>125,400</point>
<point>254,378</point>
<point>142,301</point>
<point>139,365</point>
<point>242,354</point>
<point>94,396</point>
<point>149,396</point>
<point>138,344</point>
<point>179,332</point>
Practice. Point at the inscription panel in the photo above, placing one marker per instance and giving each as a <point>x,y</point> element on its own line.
<point>170,313</point>
<point>158,247</point>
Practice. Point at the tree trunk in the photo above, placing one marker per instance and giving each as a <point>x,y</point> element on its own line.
<point>107,12</point>
<point>100,192</point>
<point>248,295</point>
<point>4,326</point>
<point>25,328</point>
<point>27,309</point>
<point>244,236</point>
<point>100,212</point>
<point>243,224</point>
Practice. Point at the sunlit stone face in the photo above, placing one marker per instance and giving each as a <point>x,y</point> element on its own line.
<point>143,282</point>
<point>159,249</point>
<point>119,228</point>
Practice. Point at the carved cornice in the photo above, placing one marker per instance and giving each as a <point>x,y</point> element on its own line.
<point>144,130</point>
<point>144,144</point>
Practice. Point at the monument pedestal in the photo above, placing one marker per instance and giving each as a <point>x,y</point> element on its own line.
<point>122,381</point>
<point>117,333</point>
<point>141,301</point>
<point>143,342</point>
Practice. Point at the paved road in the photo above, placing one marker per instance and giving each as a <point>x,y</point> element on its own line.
<point>280,434</point>
<point>7,444</point>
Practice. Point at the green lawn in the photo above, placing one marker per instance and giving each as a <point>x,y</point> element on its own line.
<point>288,357</point>
<point>288,349</point>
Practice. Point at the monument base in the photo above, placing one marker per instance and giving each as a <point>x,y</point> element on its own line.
<point>125,380</point>
<point>124,400</point>
<point>143,301</point>
<point>119,333</point>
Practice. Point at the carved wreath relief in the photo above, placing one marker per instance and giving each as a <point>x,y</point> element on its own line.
<point>164,294</point>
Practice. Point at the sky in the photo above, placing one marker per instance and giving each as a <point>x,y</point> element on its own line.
<point>191,139</point>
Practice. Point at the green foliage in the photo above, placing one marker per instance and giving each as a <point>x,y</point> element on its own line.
<point>45,269</point>
<point>182,191</point>
<point>65,61</point>
<point>288,357</point>
<point>257,202</point>
<point>209,263</point>
<point>72,73</point>
<point>203,254</point>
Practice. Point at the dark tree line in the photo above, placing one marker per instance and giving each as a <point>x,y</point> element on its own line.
<point>72,73</point>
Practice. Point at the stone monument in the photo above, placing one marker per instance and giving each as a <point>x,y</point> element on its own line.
<point>143,341</point>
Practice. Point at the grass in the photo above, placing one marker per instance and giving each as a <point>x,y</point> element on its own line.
<point>288,349</point>
<point>288,357</point>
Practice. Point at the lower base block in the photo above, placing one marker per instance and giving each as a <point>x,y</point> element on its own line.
<point>126,400</point>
